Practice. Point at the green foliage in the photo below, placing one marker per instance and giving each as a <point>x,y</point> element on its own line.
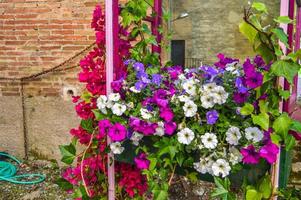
<point>262,190</point>
<point>261,120</point>
<point>248,31</point>
<point>260,7</point>
<point>286,69</point>
<point>63,184</point>
<point>283,20</point>
<point>68,153</point>
<point>247,109</point>
<point>222,189</point>
<point>87,124</point>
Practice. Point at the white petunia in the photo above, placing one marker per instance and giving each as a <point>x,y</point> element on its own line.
<point>145,113</point>
<point>118,109</point>
<point>160,129</point>
<point>209,140</point>
<point>136,137</point>
<point>185,136</point>
<point>221,167</point>
<point>133,89</point>
<point>253,134</point>
<point>183,98</point>
<point>234,155</point>
<point>189,87</point>
<point>182,77</point>
<point>220,95</point>
<point>114,97</point>
<point>102,101</point>
<point>207,101</point>
<point>190,109</point>
<point>201,166</point>
<point>209,87</point>
<point>233,135</point>
<point>116,148</point>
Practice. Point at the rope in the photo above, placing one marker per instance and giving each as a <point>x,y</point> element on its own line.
<point>8,172</point>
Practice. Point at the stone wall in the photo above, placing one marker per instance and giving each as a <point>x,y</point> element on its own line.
<point>212,27</point>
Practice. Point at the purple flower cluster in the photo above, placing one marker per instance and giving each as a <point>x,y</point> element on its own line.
<point>174,72</point>
<point>224,61</point>
<point>142,126</point>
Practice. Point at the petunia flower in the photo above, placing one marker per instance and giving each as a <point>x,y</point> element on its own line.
<point>250,156</point>
<point>170,127</point>
<point>117,132</point>
<point>166,114</point>
<point>254,80</point>
<point>141,161</point>
<point>212,117</point>
<point>269,152</point>
<point>240,97</point>
<point>103,126</point>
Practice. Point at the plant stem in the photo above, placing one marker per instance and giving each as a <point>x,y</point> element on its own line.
<point>172,174</point>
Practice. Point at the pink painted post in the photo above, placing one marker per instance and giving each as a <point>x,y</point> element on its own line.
<point>155,25</point>
<point>109,78</point>
<point>116,57</point>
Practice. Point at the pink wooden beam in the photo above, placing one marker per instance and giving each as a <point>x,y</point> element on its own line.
<point>116,57</point>
<point>155,25</point>
<point>109,5</point>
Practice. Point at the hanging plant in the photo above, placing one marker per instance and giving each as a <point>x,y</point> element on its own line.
<point>219,122</point>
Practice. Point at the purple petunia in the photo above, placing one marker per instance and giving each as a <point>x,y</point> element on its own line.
<point>139,85</point>
<point>240,97</point>
<point>254,80</point>
<point>240,86</point>
<point>138,66</point>
<point>212,117</point>
<point>117,132</point>
<point>170,127</point>
<point>156,79</point>
<point>223,61</point>
<point>166,114</point>
<point>259,61</point>
<point>248,67</point>
<point>250,156</point>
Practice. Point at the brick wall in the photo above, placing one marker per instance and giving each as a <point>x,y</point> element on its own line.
<point>37,35</point>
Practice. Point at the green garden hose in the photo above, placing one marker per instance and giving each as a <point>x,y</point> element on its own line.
<point>8,172</point>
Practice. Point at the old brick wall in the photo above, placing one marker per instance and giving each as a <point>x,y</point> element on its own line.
<point>35,36</point>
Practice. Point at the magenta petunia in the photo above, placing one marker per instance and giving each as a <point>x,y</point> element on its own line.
<point>240,97</point>
<point>103,126</point>
<point>117,132</point>
<point>117,85</point>
<point>146,128</point>
<point>248,67</point>
<point>170,127</point>
<point>269,152</point>
<point>166,114</point>
<point>254,80</point>
<point>141,161</point>
<point>250,156</point>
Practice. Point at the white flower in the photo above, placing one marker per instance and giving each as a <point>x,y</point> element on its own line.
<point>136,137</point>
<point>220,95</point>
<point>233,135</point>
<point>160,129</point>
<point>190,109</point>
<point>207,101</point>
<point>182,77</point>
<point>118,109</point>
<point>209,140</point>
<point>209,87</point>
<point>145,113</point>
<point>201,166</point>
<point>183,98</point>
<point>114,97</point>
<point>185,136</point>
<point>101,102</point>
<point>116,148</point>
<point>221,167</point>
<point>234,155</point>
<point>133,89</point>
<point>253,134</point>
<point>189,87</point>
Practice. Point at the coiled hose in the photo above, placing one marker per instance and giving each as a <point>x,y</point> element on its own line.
<point>8,172</point>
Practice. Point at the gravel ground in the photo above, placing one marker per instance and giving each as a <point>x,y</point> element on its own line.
<point>48,190</point>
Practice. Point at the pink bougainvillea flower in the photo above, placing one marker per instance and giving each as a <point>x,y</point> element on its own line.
<point>170,127</point>
<point>141,161</point>
<point>82,135</point>
<point>166,114</point>
<point>269,152</point>
<point>250,156</point>
<point>104,126</point>
<point>117,132</point>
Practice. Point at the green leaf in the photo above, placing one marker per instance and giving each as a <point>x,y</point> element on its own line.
<point>247,109</point>
<point>222,189</point>
<point>283,20</point>
<point>261,120</point>
<point>99,115</point>
<point>281,35</point>
<point>263,106</point>
<point>248,31</point>
<point>86,96</point>
<point>265,187</point>
<point>285,94</point>
<point>64,184</point>
<point>276,139</point>
<point>282,125</point>
<point>153,163</point>
<point>253,194</point>
<point>296,126</point>
<point>285,69</point>
<point>160,194</point>
<point>289,142</point>
<point>260,7</point>
<point>68,153</point>
<point>87,124</point>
